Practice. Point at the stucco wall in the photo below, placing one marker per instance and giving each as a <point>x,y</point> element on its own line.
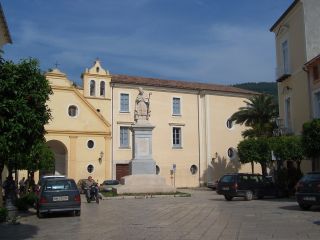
<point>312,23</point>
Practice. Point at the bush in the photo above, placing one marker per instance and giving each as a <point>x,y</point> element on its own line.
<point>25,202</point>
<point>3,214</point>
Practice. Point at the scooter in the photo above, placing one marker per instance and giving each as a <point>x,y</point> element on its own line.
<point>92,193</point>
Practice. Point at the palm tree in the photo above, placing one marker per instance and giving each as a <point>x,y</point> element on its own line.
<point>259,115</point>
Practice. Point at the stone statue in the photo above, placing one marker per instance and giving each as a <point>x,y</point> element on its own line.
<point>142,107</point>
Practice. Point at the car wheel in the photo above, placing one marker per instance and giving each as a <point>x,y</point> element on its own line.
<point>228,198</point>
<point>304,206</point>
<point>249,195</point>
<point>77,213</point>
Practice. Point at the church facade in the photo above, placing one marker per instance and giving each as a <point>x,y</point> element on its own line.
<point>193,141</point>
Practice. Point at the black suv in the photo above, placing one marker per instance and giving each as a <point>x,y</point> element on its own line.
<point>308,190</point>
<point>245,185</point>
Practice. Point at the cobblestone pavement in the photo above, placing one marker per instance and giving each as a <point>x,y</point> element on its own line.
<point>204,215</point>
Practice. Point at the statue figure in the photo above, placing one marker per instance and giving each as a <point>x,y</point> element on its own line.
<point>142,107</point>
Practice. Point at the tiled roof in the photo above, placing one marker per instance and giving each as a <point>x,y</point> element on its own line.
<point>312,61</point>
<point>154,82</point>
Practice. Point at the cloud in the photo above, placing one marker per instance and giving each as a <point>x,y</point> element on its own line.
<point>220,52</point>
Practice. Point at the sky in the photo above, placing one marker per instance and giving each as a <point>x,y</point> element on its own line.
<point>213,41</point>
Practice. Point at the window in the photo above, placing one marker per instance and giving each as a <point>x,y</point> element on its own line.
<point>176,106</point>
<point>231,153</point>
<point>90,168</point>
<point>285,56</point>
<point>287,108</point>
<point>102,88</point>
<point>73,111</point>
<point>124,137</point>
<point>315,71</point>
<point>176,137</point>
<point>193,169</point>
<point>157,170</point>
<point>317,105</point>
<point>92,88</point>
<point>124,102</point>
<point>90,144</point>
<point>229,124</point>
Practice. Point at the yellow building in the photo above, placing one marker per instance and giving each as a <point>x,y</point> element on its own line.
<point>193,140</point>
<point>297,39</point>
<point>4,30</point>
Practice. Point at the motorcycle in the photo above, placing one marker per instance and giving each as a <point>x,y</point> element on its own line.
<point>92,193</point>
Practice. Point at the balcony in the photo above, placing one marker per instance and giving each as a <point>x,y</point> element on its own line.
<point>282,74</point>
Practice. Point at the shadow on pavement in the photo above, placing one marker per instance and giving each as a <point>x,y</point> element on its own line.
<point>17,232</point>
<point>297,208</point>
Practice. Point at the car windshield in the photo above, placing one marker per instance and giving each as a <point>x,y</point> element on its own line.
<point>110,182</point>
<point>227,179</point>
<point>311,177</point>
<point>59,185</point>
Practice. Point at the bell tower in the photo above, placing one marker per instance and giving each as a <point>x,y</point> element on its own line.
<point>96,82</point>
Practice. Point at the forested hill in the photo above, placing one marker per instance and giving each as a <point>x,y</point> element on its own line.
<point>262,87</point>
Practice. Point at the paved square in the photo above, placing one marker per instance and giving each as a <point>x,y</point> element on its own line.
<point>204,215</point>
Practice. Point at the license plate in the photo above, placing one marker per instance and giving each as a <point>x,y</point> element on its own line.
<point>309,198</point>
<point>60,198</point>
<point>225,188</point>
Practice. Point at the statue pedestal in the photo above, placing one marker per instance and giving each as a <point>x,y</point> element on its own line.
<point>142,162</point>
<point>143,178</point>
<point>144,183</point>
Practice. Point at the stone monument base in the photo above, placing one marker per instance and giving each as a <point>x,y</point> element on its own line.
<point>144,183</point>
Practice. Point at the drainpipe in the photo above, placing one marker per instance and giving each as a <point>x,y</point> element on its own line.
<point>112,125</point>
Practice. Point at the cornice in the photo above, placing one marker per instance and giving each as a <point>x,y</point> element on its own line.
<point>77,133</point>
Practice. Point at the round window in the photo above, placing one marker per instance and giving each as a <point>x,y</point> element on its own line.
<point>229,124</point>
<point>231,153</point>
<point>73,111</point>
<point>193,169</point>
<point>90,144</point>
<point>90,168</point>
<point>157,170</point>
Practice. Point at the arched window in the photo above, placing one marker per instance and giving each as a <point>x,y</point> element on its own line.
<point>92,88</point>
<point>102,88</point>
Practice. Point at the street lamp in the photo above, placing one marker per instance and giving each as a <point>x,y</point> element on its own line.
<point>101,156</point>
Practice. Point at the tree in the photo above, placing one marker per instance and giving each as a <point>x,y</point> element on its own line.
<point>287,148</point>
<point>255,150</point>
<point>258,114</point>
<point>311,140</point>
<point>24,91</point>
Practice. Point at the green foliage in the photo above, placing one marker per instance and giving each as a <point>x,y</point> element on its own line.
<point>255,150</point>
<point>311,138</point>
<point>269,88</point>
<point>27,201</point>
<point>259,114</point>
<point>287,147</point>
<point>24,91</point>
<point>3,214</point>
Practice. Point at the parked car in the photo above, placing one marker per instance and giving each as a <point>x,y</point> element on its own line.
<point>59,195</point>
<point>107,185</point>
<point>308,190</point>
<point>82,184</point>
<point>45,177</point>
<point>245,185</point>
<point>212,185</point>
